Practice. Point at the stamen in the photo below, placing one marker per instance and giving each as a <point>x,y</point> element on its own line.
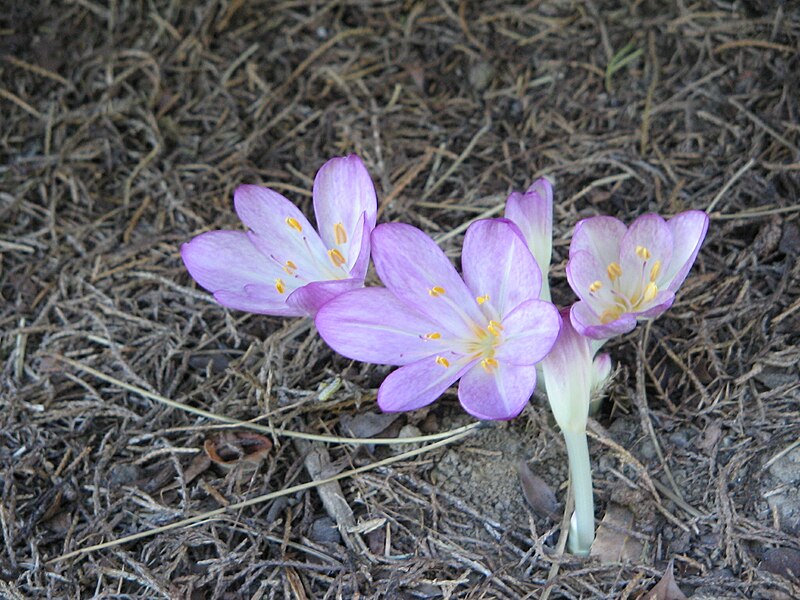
<point>609,316</point>
<point>280,286</point>
<point>655,270</point>
<point>289,267</point>
<point>339,234</point>
<point>614,271</point>
<point>294,224</point>
<point>442,361</point>
<point>650,291</point>
<point>489,364</point>
<point>642,252</point>
<point>434,335</point>
<point>596,285</point>
<point>436,291</point>
<point>494,328</point>
<point>482,299</point>
<point>336,257</point>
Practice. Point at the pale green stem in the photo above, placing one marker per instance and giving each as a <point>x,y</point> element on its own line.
<point>581,531</point>
<point>545,293</point>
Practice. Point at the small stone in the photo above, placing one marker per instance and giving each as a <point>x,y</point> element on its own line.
<point>480,75</point>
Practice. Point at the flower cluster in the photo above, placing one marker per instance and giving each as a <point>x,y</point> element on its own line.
<point>491,327</point>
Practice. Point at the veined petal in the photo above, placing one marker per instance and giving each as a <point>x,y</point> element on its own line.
<point>312,296</point>
<point>224,260</point>
<point>497,394</point>
<point>588,323</point>
<point>584,271</point>
<point>600,237</point>
<point>529,332</point>
<point>532,212</point>
<point>282,232</point>
<point>358,257</point>
<point>416,270</point>
<point>372,325</point>
<point>688,232</point>
<point>420,383</point>
<point>647,242</point>
<point>567,372</point>
<point>499,267</point>
<point>343,191</point>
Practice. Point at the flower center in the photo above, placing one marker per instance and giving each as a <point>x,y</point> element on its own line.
<point>629,292</point>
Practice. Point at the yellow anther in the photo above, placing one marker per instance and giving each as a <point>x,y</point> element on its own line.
<point>337,258</point>
<point>289,267</point>
<point>489,364</point>
<point>614,271</point>
<point>494,327</point>
<point>436,291</point>
<point>339,234</point>
<point>650,291</point>
<point>280,286</point>
<point>442,361</point>
<point>642,252</point>
<point>655,270</point>
<point>434,335</point>
<point>596,285</point>
<point>482,299</point>
<point>294,224</point>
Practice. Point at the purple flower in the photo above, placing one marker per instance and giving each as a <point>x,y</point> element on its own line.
<point>281,266</point>
<point>488,329</point>
<point>532,212</point>
<point>622,274</point>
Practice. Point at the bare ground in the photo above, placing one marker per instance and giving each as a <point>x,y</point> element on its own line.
<point>127,125</point>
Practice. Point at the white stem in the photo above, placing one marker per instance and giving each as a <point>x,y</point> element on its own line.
<point>545,293</point>
<point>581,531</point>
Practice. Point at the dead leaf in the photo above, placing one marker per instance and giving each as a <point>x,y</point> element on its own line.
<point>234,447</point>
<point>614,542</point>
<point>540,497</point>
<point>666,588</point>
<point>368,424</point>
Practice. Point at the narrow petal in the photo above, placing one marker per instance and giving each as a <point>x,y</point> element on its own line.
<point>499,267</point>
<point>230,266</point>
<point>567,372</point>
<point>648,241</point>
<point>283,233</point>
<point>343,191</point>
<point>311,297</point>
<point>416,270</point>
<point>419,383</point>
<point>532,212</point>
<point>529,333</point>
<point>498,394</point>
<point>587,323</point>
<point>659,305</point>
<point>372,325</point>
<point>688,232</point>
<point>600,237</point>
<point>358,257</point>
<point>257,299</point>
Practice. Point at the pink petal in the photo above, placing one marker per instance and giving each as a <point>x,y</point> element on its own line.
<point>343,191</point>
<point>533,214</point>
<point>499,394</point>
<point>371,325</point>
<point>688,232</point>
<point>567,372</point>
<point>659,304</point>
<point>283,233</point>
<point>529,333</point>
<point>583,270</point>
<point>587,323</point>
<point>648,232</point>
<point>227,264</point>
<point>419,383</point>
<point>416,270</point>
<point>498,264</point>
<point>311,297</point>
<point>600,237</point>
<point>358,259</point>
